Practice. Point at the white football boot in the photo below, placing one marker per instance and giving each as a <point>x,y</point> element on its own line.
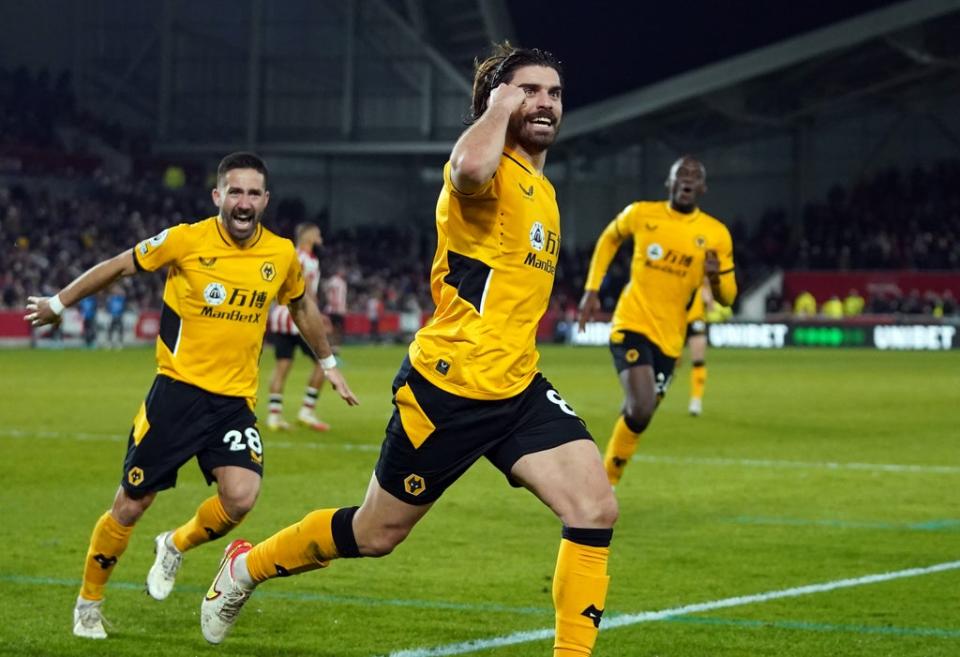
<point>226,597</point>
<point>163,572</point>
<point>88,620</point>
<point>696,406</point>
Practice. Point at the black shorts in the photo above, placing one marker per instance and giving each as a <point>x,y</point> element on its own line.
<point>178,421</point>
<point>631,349</point>
<point>434,436</point>
<point>696,327</point>
<point>284,344</point>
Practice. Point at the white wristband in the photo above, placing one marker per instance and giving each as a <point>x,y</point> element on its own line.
<point>328,363</point>
<point>56,305</point>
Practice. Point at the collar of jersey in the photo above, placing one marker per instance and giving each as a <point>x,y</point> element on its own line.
<point>225,236</point>
<point>521,161</point>
<point>680,216</point>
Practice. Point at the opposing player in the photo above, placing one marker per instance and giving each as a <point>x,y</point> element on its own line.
<point>675,245</point>
<point>335,290</point>
<point>470,385</point>
<point>286,339</point>
<point>223,273</point>
<point>696,341</point>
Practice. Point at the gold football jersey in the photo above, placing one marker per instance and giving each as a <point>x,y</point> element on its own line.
<point>491,280</point>
<point>666,270</point>
<point>216,300</point>
<point>697,309</point>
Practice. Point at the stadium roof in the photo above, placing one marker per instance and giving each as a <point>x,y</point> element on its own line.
<point>881,57</point>
<point>878,57</point>
<point>389,77</point>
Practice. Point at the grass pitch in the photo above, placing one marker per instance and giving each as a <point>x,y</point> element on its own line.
<point>807,467</point>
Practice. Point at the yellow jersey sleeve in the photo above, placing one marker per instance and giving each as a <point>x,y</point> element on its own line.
<point>162,249</point>
<point>607,245</point>
<point>293,286</point>
<point>486,192</point>
<point>726,289</point>
<point>725,250</point>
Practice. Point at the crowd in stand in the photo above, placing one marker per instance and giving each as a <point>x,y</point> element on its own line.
<point>49,238</point>
<point>46,239</point>
<point>49,233</point>
<point>893,220</point>
<point>883,299</point>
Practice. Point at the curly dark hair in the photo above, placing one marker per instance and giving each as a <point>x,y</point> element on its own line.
<point>499,67</point>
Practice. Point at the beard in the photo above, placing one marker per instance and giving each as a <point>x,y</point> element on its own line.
<point>525,135</point>
<point>242,232</point>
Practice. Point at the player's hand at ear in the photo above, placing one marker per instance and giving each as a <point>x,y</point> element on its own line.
<point>339,384</point>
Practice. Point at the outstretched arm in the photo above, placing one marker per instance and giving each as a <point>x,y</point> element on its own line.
<point>47,310</point>
<point>308,319</point>
<point>603,252</point>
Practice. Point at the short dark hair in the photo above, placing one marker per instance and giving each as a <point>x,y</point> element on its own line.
<point>242,160</point>
<point>499,67</point>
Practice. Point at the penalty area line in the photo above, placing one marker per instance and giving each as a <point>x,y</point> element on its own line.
<point>625,620</point>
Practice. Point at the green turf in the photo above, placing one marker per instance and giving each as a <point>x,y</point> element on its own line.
<point>740,501</point>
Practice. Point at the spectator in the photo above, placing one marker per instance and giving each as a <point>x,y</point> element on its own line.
<point>88,310</point>
<point>374,310</point>
<point>948,303</point>
<point>805,305</point>
<point>832,308</point>
<point>912,304</point>
<point>853,304</point>
<point>116,305</point>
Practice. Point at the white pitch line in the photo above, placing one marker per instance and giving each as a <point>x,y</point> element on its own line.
<point>640,458</point>
<point>625,620</point>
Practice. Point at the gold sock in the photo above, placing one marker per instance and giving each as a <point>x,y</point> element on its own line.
<point>622,445</point>
<point>698,381</point>
<point>209,523</point>
<point>579,596</point>
<point>107,543</point>
<point>307,545</point>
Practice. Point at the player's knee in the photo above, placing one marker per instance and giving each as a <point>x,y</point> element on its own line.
<point>637,415</point>
<point>607,511</point>
<point>602,509</point>
<point>238,502</point>
<point>127,510</point>
<point>597,508</point>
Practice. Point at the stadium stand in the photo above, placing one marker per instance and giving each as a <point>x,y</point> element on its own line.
<point>893,221</point>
